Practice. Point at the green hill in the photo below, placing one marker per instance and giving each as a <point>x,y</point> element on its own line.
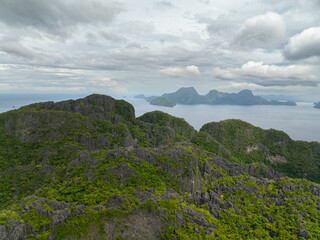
<point>88,169</point>
<point>239,141</point>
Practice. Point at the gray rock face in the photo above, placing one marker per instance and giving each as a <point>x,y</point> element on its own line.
<point>269,217</point>
<point>199,219</point>
<point>102,141</point>
<point>89,142</point>
<point>79,210</point>
<point>59,205</point>
<point>123,172</point>
<point>15,230</point>
<point>287,187</point>
<point>3,233</point>
<point>60,216</point>
<point>115,201</point>
<point>128,141</point>
<point>84,156</point>
<point>303,233</point>
<point>315,190</point>
<point>140,225</point>
<point>144,196</point>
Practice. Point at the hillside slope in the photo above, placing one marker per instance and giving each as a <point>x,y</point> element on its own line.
<point>88,169</point>
<point>239,141</point>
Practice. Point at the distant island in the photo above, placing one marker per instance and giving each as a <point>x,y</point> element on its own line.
<point>317,105</point>
<point>189,96</point>
<point>162,101</point>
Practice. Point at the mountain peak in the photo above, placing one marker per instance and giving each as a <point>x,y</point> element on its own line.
<point>187,90</point>
<point>94,105</point>
<point>246,92</point>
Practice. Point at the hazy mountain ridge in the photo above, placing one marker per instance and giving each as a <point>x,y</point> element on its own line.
<point>191,96</point>
<point>317,105</point>
<point>88,169</point>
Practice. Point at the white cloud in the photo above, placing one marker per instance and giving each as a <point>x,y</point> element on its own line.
<point>4,67</point>
<point>261,73</point>
<point>263,31</point>
<point>104,84</point>
<point>303,45</point>
<point>193,70</point>
<point>181,72</point>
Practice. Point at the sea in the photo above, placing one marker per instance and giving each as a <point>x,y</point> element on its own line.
<point>301,122</point>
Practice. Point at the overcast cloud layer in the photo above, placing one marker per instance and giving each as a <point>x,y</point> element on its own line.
<point>270,47</point>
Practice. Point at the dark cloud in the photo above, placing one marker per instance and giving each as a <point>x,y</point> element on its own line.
<point>221,25</point>
<point>263,31</point>
<point>303,45</point>
<point>57,17</point>
<point>16,49</point>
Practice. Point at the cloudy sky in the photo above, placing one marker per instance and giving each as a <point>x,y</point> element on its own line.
<point>147,46</point>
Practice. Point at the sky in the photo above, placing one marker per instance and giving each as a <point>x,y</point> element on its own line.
<point>130,47</point>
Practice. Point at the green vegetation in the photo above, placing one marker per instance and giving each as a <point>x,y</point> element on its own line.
<point>88,169</point>
<point>241,142</point>
<point>183,130</point>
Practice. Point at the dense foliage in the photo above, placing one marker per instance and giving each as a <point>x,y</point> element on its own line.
<point>88,169</point>
<point>239,141</point>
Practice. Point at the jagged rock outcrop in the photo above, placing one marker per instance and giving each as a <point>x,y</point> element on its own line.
<point>15,230</point>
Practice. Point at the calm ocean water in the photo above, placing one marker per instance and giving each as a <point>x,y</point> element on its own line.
<point>300,123</point>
